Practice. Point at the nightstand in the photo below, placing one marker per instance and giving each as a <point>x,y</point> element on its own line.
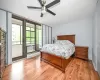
<point>81,52</point>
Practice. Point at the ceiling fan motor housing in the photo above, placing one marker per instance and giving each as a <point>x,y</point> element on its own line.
<point>43,2</point>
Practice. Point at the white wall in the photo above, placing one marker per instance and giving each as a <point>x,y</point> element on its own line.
<point>5,24</point>
<point>9,31</point>
<point>44,36</point>
<point>82,30</point>
<point>96,38</point>
<point>3,20</point>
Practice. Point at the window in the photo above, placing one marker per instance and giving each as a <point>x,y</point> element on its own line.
<point>38,37</point>
<point>30,37</point>
<point>16,34</point>
<point>30,33</point>
<point>17,42</point>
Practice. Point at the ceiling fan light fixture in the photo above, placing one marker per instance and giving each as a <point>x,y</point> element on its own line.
<point>43,10</point>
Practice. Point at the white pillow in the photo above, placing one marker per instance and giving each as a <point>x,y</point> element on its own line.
<point>63,42</point>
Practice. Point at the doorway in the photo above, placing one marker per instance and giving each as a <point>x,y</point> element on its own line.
<point>17,43</point>
<point>26,37</point>
<point>30,37</point>
<point>33,37</point>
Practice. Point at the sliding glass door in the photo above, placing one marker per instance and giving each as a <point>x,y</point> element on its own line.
<point>17,26</point>
<point>30,37</point>
<point>33,37</point>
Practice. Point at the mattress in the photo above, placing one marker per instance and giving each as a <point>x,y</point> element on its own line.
<point>62,50</point>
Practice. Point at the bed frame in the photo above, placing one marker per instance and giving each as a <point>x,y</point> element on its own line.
<point>56,61</point>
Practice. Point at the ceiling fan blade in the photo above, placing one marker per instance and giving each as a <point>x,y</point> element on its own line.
<point>51,12</point>
<point>52,3</point>
<point>40,2</point>
<point>31,7</point>
<point>41,14</point>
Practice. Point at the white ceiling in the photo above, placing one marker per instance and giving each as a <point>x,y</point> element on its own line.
<point>66,10</point>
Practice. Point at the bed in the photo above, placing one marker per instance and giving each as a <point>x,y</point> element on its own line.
<point>59,62</point>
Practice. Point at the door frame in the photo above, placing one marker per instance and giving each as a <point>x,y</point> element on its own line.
<point>23,40</point>
<point>30,36</point>
<point>24,48</point>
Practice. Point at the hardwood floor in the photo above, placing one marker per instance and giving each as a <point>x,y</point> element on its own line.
<point>34,69</point>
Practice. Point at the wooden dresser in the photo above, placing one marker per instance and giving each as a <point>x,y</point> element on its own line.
<point>81,52</point>
<point>2,51</point>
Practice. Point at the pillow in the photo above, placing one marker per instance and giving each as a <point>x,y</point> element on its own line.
<point>63,42</point>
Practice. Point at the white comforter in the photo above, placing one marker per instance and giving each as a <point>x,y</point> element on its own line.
<point>60,50</point>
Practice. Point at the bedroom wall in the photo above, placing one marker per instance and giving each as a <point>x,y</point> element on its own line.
<point>5,24</point>
<point>82,30</point>
<point>96,39</point>
<point>3,20</point>
<point>9,31</point>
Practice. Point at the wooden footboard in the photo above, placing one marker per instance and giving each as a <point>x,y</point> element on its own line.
<point>55,61</point>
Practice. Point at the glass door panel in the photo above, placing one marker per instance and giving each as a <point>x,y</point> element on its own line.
<point>32,34</point>
<point>32,29</point>
<point>17,38</point>
<point>30,49</point>
<point>33,41</point>
<point>28,34</point>
<point>30,37</point>
<point>38,37</point>
<point>27,28</point>
<point>28,40</point>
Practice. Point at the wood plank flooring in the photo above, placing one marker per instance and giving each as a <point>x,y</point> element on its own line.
<point>34,69</point>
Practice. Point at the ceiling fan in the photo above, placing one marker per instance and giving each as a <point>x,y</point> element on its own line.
<point>44,7</point>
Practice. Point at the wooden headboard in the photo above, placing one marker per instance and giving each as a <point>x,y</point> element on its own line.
<point>67,37</point>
